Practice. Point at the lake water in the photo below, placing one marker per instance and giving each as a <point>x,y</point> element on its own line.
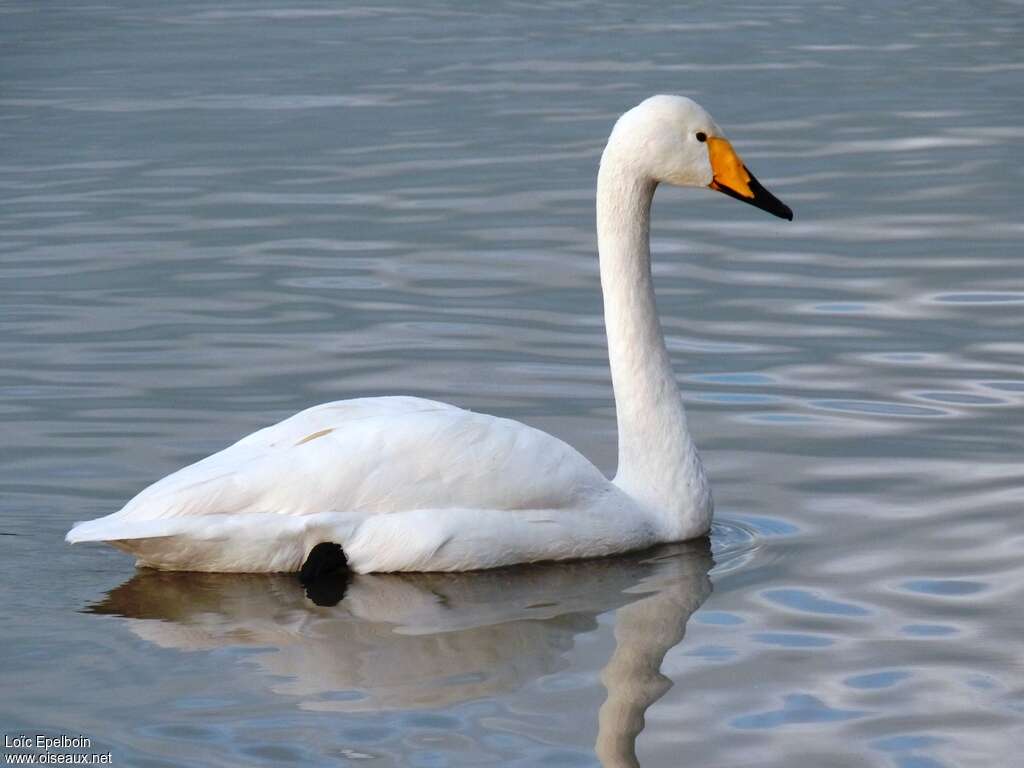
<point>214,215</point>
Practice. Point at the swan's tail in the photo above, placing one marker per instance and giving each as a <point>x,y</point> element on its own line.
<point>242,543</point>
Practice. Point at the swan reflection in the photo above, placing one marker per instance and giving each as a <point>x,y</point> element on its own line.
<point>408,641</point>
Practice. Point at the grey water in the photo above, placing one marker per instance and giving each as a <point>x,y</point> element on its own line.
<point>213,215</point>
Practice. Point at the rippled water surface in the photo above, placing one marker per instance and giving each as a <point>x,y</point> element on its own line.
<point>214,215</point>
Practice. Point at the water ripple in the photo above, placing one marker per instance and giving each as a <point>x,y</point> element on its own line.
<point>803,600</point>
<point>796,709</point>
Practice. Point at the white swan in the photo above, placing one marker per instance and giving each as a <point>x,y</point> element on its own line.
<point>406,484</point>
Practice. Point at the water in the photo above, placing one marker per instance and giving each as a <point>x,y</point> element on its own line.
<point>216,215</point>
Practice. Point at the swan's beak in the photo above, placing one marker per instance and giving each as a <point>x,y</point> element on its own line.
<point>732,177</point>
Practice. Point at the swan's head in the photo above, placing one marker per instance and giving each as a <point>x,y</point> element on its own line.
<point>672,139</point>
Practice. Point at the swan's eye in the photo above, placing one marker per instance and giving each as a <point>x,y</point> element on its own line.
<point>701,136</point>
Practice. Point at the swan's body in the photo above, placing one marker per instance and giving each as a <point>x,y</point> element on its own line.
<point>358,472</point>
<point>406,484</point>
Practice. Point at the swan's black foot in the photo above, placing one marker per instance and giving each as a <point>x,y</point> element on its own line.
<point>325,559</point>
<point>325,574</point>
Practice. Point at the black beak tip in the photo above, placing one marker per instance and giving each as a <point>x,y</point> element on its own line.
<point>761,198</point>
<point>766,201</point>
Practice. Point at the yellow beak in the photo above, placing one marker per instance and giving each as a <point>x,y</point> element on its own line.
<point>730,175</point>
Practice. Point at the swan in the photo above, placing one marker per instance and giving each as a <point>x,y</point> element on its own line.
<point>407,484</point>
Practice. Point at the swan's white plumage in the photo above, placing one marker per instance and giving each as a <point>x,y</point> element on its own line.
<point>375,455</point>
<point>357,471</point>
<point>409,484</point>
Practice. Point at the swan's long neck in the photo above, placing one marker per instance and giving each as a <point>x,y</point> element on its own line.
<point>658,463</point>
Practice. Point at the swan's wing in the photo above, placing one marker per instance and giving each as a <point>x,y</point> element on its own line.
<point>365,457</point>
<point>339,413</point>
